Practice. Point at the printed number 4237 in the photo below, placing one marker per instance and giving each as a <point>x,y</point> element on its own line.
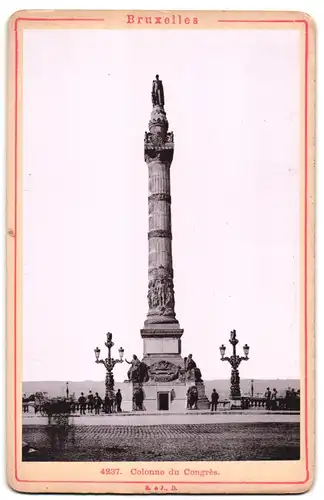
<point>110,471</point>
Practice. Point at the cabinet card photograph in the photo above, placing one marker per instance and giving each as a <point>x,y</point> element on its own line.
<point>160,252</point>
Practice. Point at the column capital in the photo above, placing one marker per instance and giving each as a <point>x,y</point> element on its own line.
<point>159,147</point>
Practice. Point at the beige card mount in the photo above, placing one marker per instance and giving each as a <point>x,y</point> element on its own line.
<point>118,122</point>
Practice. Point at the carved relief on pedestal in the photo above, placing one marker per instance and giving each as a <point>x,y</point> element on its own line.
<point>164,371</point>
<point>161,294</point>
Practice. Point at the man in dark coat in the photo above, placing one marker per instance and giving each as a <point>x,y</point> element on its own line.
<point>214,400</point>
<point>288,398</point>
<point>82,403</point>
<point>90,402</point>
<point>274,396</point>
<point>25,403</point>
<point>268,398</point>
<point>108,404</point>
<point>97,403</point>
<point>119,399</point>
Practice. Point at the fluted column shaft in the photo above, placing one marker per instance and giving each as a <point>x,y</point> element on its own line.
<point>160,251</point>
<point>158,147</point>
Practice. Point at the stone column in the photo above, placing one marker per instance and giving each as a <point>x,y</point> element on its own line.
<point>158,156</point>
<point>161,331</point>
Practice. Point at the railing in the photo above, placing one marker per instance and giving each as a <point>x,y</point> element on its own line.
<point>248,403</point>
<point>244,403</point>
<point>44,408</point>
<point>280,403</point>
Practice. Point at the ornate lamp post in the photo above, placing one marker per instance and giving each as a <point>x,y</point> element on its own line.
<point>234,361</point>
<point>109,364</point>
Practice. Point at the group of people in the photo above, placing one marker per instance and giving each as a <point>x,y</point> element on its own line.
<point>291,399</point>
<point>92,403</point>
<point>95,402</point>
<point>271,398</point>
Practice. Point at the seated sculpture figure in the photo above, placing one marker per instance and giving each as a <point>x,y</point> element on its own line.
<point>138,372</point>
<point>192,371</point>
<point>192,398</point>
<point>138,399</point>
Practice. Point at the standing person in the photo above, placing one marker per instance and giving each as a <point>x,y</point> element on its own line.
<point>274,399</point>
<point>97,403</point>
<point>119,399</point>
<point>288,398</point>
<point>90,402</point>
<point>107,404</point>
<point>268,398</point>
<point>25,403</point>
<point>293,399</point>
<point>214,400</point>
<point>82,403</point>
<point>298,399</point>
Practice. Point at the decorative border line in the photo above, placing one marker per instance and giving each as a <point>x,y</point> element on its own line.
<point>305,259</point>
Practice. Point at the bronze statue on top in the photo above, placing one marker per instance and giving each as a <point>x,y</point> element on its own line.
<point>157,92</point>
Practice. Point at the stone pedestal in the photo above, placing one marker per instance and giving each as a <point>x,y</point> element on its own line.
<point>164,397</point>
<point>203,401</point>
<point>162,344</point>
<point>127,395</point>
<point>159,397</point>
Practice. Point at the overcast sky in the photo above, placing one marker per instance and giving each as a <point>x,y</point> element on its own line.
<point>232,100</point>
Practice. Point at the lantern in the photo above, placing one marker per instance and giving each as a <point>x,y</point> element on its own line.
<point>222,350</point>
<point>246,349</point>
<point>97,353</point>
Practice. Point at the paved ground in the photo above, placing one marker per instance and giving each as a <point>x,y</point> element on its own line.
<point>171,418</point>
<point>169,442</point>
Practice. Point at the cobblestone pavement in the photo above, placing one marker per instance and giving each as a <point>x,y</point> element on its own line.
<point>236,441</point>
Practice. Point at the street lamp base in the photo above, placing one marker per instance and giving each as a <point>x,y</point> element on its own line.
<point>235,384</point>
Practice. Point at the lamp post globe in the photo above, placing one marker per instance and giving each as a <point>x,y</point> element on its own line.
<point>246,350</point>
<point>97,353</point>
<point>121,353</point>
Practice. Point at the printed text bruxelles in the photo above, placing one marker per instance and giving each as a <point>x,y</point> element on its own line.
<point>173,19</point>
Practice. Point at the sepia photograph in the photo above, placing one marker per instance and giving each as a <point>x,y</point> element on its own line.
<point>161,246</point>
